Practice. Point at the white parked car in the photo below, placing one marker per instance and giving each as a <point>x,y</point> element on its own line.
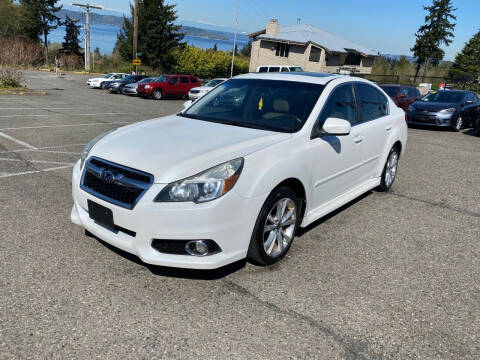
<point>279,68</point>
<point>197,92</point>
<point>100,82</point>
<point>236,173</point>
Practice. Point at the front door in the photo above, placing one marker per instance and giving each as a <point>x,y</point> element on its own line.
<point>335,160</point>
<point>172,86</point>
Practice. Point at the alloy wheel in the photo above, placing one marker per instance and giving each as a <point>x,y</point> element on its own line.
<point>279,227</point>
<point>391,168</point>
<point>459,124</point>
<point>157,95</point>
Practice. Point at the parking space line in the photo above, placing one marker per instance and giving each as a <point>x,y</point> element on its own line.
<point>20,142</point>
<point>44,149</point>
<point>37,161</point>
<point>41,108</point>
<point>65,125</point>
<point>97,114</point>
<point>35,171</point>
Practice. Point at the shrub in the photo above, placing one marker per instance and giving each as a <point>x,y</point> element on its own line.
<point>16,52</point>
<point>10,78</point>
<point>71,62</point>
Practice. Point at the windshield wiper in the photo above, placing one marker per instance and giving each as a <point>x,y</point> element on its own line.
<point>190,116</point>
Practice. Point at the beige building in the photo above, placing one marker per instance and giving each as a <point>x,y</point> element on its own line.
<point>311,48</point>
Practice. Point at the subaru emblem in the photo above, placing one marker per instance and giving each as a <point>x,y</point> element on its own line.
<point>107,176</point>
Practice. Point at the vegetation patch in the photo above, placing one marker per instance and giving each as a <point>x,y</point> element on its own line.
<point>10,79</point>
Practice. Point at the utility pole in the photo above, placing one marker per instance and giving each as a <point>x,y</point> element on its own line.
<point>87,30</point>
<point>135,34</point>
<point>235,38</point>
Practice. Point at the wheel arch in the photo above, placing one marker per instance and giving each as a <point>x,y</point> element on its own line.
<point>297,186</point>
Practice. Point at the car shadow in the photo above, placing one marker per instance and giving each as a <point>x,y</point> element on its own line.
<point>192,274</point>
<point>302,231</point>
<point>471,132</point>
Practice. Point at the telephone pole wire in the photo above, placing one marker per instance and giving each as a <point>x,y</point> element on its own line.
<point>87,30</point>
<point>235,38</point>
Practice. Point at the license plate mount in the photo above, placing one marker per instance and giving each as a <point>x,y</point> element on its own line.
<point>101,215</point>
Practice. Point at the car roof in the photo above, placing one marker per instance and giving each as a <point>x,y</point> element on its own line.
<point>310,77</point>
<point>396,85</point>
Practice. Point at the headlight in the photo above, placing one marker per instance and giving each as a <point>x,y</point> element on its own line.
<point>147,86</point>
<point>448,111</point>
<point>89,146</point>
<point>411,108</point>
<point>206,186</point>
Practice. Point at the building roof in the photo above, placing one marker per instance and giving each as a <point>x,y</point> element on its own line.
<point>305,33</point>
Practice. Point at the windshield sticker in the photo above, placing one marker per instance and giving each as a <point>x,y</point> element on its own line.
<point>260,104</point>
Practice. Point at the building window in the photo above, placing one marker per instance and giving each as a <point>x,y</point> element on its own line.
<point>353,59</point>
<point>315,54</point>
<point>282,50</point>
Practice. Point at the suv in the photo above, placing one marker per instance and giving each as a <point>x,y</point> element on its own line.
<point>279,68</point>
<point>402,95</point>
<point>168,85</point>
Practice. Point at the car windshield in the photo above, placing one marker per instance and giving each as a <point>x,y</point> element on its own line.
<point>214,82</point>
<point>443,96</point>
<point>107,76</point>
<point>281,106</point>
<point>131,77</point>
<point>162,78</point>
<point>390,90</point>
<point>147,79</point>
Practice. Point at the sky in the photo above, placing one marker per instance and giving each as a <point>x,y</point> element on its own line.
<point>387,26</point>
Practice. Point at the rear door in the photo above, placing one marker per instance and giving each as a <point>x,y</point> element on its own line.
<point>184,85</point>
<point>376,124</point>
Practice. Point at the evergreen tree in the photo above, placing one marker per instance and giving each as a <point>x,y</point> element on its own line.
<point>247,49</point>
<point>40,19</point>
<point>158,36</point>
<point>71,45</point>
<point>215,48</point>
<point>466,68</point>
<point>437,31</point>
<point>11,19</point>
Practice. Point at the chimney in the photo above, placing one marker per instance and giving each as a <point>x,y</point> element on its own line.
<point>273,27</point>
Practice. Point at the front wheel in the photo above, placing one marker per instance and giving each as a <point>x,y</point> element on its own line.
<point>458,124</point>
<point>102,86</point>
<point>275,227</point>
<point>390,170</point>
<point>157,94</point>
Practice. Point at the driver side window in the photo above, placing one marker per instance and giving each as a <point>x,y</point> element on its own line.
<point>341,105</point>
<point>173,80</point>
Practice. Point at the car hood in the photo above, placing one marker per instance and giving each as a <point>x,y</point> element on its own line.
<point>132,85</point>
<point>202,88</point>
<point>174,147</point>
<point>433,106</point>
<point>97,79</point>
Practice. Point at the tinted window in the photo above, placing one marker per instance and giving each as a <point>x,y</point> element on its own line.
<point>173,80</point>
<point>404,91</point>
<point>413,93</point>
<point>341,105</point>
<point>184,80</point>
<point>282,106</point>
<point>214,82</point>
<point>194,80</point>
<point>273,69</point>
<point>373,104</point>
<point>263,69</point>
<point>390,90</point>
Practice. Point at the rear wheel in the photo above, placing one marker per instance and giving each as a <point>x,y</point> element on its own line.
<point>275,227</point>
<point>458,124</point>
<point>390,170</point>
<point>157,94</point>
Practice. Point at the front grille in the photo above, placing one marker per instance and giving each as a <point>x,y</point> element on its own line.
<point>115,183</point>
<point>425,119</point>
<point>194,91</point>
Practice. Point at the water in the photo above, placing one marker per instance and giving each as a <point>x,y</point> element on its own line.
<point>105,36</point>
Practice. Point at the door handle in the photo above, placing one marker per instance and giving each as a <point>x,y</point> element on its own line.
<point>388,127</point>
<point>358,139</point>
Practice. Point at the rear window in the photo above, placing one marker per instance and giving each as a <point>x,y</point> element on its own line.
<point>193,80</point>
<point>263,69</point>
<point>183,80</point>
<point>390,90</point>
<point>274,69</point>
<point>373,104</point>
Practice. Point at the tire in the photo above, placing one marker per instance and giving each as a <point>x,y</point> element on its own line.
<point>390,170</point>
<point>102,85</point>
<point>476,127</point>
<point>266,247</point>
<point>157,94</point>
<point>458,124</point>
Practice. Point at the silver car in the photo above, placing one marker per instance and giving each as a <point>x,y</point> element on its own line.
<point>198,92</point>
<point>131,89</point>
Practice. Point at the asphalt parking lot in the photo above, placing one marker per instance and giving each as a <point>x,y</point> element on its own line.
<point>392,276</point>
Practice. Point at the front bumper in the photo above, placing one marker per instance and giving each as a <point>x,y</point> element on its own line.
<point>195,96</point>
<point>431,119</point>
<point>129,91</point>
<point>229,221</point>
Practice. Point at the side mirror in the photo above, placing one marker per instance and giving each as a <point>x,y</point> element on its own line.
<point>187,104</point>
<point>338,127</point>
<point>468,102</point>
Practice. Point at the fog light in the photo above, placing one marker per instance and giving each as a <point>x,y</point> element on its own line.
<point>197,248</point>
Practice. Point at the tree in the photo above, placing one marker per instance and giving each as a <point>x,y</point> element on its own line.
<point>466,68</point>
<point>247,49</point>
<point>40,19</point>
<point>215,48</point>
<point>158,36</point>
<point>10,19</point>
<point>437,31</point>
<point>71,45</point>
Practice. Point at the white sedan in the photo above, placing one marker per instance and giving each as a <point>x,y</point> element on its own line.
<point>100,82</point>
<point>198,92</point>
<point>235,174</point>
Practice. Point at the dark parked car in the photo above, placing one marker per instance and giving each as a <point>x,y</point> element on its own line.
<point>168,85</point>
<point>456,109</point>
<point>118,85</point>
<point>402,95</point>
<point>131,89</point>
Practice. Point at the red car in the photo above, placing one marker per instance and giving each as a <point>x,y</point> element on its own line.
<point>168,85</point>
<point>402,95</point>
